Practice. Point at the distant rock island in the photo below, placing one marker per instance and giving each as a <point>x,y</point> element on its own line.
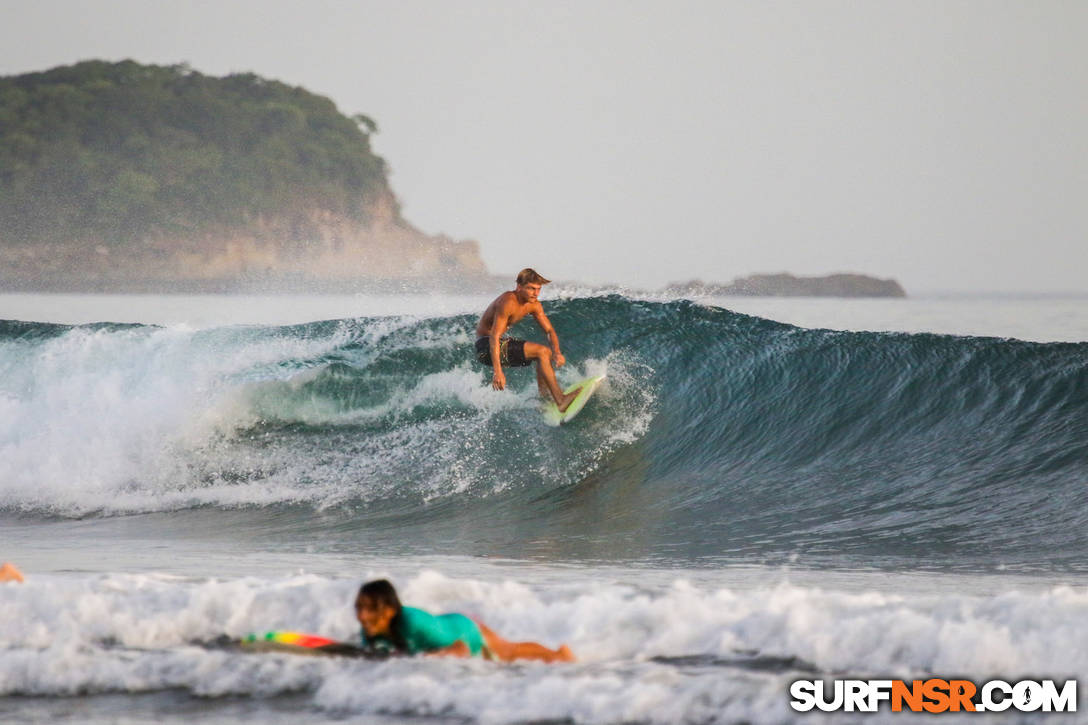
<point>787,285</point>
<point>129,177</point>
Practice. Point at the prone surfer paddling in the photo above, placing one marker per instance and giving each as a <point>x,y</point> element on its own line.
<point>390,626</point>
<point>495,350</point>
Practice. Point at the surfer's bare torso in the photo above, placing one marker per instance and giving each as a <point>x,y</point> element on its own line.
<point>507,310</point>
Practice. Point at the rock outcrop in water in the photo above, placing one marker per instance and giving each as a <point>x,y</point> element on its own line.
<point>787,285</point>
<point>129,177</point>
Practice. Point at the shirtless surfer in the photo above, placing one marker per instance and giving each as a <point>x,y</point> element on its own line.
<point>495,350</point>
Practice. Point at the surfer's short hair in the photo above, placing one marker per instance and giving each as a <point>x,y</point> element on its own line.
<point>531,276</point>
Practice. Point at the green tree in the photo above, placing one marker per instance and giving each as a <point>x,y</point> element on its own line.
<point>118,151</point>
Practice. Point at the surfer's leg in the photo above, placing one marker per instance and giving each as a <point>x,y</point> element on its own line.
<point>545,374</point>
<point>542,383</point>
<point>508,651</point>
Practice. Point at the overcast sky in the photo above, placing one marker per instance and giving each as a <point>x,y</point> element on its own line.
<point>942,143</point>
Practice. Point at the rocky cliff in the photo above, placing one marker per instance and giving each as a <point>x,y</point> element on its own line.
<point>128,177</point>
<point>319,250</point>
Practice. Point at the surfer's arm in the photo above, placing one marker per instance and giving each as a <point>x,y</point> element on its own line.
<point>498,327</point>
<point>553,337</point>
<point>457,649</point>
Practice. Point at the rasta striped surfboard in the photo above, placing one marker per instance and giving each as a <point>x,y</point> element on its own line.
<point>303,644</point>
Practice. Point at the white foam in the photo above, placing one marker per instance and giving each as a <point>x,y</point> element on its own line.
<point>122,633</point>
<point>152,419</point>
<point>98,418</point>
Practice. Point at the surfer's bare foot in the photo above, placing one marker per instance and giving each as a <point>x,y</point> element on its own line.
<point>8,573</point>
<point>568,398</point>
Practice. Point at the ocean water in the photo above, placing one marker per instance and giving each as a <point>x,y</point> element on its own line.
<point>764,491</point>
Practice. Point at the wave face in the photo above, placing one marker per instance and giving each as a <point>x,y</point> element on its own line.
<point>717,435</point>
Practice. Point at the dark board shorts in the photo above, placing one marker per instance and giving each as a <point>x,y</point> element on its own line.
<point>511,351</point>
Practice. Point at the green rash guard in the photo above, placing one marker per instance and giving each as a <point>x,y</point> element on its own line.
<point>426,632</point>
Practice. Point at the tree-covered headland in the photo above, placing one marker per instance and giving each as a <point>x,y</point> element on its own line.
<point>161,170</point>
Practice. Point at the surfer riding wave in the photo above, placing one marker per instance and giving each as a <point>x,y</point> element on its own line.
<point>495,350</point>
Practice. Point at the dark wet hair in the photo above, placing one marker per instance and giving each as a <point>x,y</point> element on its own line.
<point>381,592</point>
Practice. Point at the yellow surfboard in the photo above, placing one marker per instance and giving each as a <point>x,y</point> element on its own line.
<point>553,417</point>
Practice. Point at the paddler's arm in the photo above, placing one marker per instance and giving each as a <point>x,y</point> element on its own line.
<point>498,327</point>
<point>553,337</point>
<point>457,649</point>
